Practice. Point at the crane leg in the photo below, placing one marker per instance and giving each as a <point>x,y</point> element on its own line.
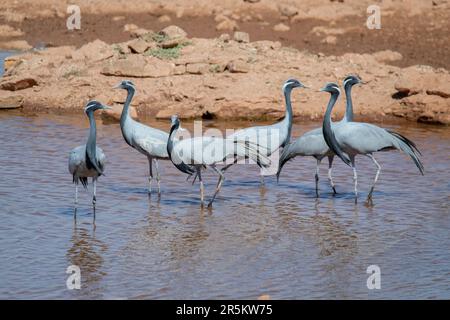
<point>369,197</point>
<point>330,177</point>
<point>76,194</point>
<point>229,165</point>
<point>202,189</point>
<point>355,178</point>
<point>219,185</point>
<point>158,178</point>
<point>150,177</point>
<point>195,178</point>
<point>317,177</point>
<point>94,183</point>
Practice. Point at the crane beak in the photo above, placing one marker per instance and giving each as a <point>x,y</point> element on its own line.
<point>106,107</point>
<point>117,86</point>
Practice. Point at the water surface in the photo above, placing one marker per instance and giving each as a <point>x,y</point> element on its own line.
<point>277,239</point>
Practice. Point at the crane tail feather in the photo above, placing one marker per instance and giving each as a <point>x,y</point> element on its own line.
<point>83,180</point>
<point>405,140</point>
<point>410,148</point>
<point>255,152</point>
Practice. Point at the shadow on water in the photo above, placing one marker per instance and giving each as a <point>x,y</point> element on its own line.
<point>275,239</point>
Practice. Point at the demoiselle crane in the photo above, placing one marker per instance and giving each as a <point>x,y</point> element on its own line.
<point>313,144</point>
<point>88,160</point>
<point>352,138</point>
<point>191,155</point>
<point>271,137</point>
<point>149,141</point>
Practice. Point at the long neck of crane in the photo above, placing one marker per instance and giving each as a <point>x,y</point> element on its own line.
<point>288,114</point>
<point>173,132</point>
<point>327,130</point>
<point>349,106</point>
<point>126,106</point>
<point>327,118</point>
<point>91,145</point>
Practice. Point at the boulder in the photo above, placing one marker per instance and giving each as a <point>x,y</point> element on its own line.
<point>387,56</point>
<point>172,32</point>
<point>171,43</point>
<point>220,17</point>
<point>197,68</point>
<point>135,31</point>
<point>164,18</point>
<point>94,51</point>
<point>419,79</point>
<point>287,10</point>
<point>227,25</point>
<point>424,108</point>
<point>238,66</point>
<point>281,27</point>
<point>8,101</point>
<point>18,84</point>
<point>240,36</point>
<point>179,70</point>
<point>129,27</point>
<point>224,37</point>
<point>138,45</point>
<point>138,66</point>
<point>173,36</point>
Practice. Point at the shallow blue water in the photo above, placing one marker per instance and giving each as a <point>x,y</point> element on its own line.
<point>277,239</point>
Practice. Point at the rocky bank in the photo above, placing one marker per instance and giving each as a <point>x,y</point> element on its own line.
<point>229,77</point>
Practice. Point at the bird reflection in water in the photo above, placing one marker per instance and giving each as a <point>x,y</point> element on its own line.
<point>87,253</point>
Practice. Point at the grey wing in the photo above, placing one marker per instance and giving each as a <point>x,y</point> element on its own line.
<point>77,158</point>
<point>150,141</point>
<point>270,137</point>
<point>364,138</point>
<point>101,158</point>
<point>311,144</point>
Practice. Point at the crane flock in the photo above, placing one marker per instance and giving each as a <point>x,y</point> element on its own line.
<point>344,139</point>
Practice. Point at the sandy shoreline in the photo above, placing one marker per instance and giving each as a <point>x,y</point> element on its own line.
<point>214,74</point>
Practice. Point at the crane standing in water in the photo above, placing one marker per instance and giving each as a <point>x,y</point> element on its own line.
<point>192,155</point>
<point>349,139</point>
<point>274,136</point>
<point>313,144</point>
<point>88,161</point>
<point>149,141</point>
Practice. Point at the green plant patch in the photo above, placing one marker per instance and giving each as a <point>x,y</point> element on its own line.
<point>167,53</point>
